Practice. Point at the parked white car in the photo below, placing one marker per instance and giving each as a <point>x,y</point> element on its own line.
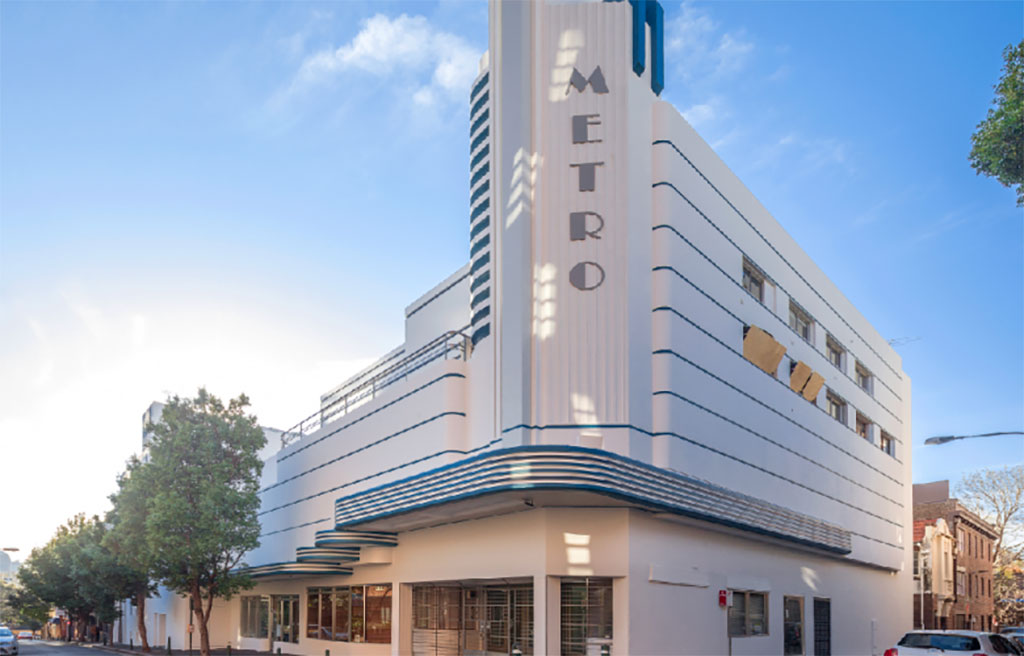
<point>8,642</point>
<point>953,643</point>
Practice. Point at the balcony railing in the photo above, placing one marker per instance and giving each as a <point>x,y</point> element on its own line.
<point>452,345</point>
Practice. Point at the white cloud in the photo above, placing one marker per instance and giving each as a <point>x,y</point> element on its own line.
<point>732,52</point>
<point>701,49</point>
<point>804,155</point>
<point>403,45</point>
<point>698,114</point>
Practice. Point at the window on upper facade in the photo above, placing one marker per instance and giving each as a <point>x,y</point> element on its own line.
<point>801,322</point>
<point>835,406</point>
<point>753,280</point>
<point>960,589</point>
<point>863,426</point>
<point>960,540</point>
<point>886,443</point>
<point>748,615</point>
<point>835,352</point>
<point>864,378</point>
<point>917,562</point>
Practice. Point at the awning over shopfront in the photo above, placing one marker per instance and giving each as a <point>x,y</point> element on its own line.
<point>514,479</point>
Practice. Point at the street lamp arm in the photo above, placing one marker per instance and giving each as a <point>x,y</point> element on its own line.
<point>942,439</point>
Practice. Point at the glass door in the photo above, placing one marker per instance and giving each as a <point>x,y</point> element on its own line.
<point>285,624</point>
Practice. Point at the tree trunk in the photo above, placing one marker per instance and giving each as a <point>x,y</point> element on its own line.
<point>140,617</point>
<point>200,618</point>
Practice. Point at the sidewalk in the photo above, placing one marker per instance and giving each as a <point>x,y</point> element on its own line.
<point>162,650</point>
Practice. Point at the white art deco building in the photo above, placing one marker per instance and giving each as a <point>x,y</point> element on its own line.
<point>640,420</point>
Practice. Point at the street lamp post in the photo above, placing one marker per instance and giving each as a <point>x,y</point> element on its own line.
<point>942,439</point>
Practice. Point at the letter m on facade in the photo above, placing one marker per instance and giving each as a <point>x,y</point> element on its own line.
<point>580,83</point>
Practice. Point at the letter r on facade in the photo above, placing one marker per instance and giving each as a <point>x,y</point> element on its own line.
<point>578,226</point>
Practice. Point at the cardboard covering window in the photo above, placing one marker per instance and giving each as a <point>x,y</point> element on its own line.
<point>761,348</point>
<point>813,386</point>
<point>799,376</point>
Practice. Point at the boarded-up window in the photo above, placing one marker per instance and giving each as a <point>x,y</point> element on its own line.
<point>761,348</point>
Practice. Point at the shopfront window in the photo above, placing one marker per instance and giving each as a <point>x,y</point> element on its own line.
<point>351,614</point>
<point>255,616</point>
<point>586,615</point>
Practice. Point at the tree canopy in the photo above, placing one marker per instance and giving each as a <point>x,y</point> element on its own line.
<point>127,538</point>
<point>998,143</point>
<point>203,477</point>
<point>74,571</point>
<point>997,495</point>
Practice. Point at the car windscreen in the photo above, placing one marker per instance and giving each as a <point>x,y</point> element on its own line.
<point>6,633</point>
<point>1002,645</point>
<point>946,642</point>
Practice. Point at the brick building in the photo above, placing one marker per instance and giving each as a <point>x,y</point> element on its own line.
<point>972,557</point>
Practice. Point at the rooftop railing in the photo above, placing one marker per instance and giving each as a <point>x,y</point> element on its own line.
<point>452,345</point>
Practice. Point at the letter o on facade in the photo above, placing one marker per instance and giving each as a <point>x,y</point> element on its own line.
<point>586,276</point>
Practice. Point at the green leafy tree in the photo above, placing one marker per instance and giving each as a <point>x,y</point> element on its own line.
<point>127,539</point>
<point>204,471</point>
<point>22,609</point>
<point>74,571</point>
<point>998,143</point>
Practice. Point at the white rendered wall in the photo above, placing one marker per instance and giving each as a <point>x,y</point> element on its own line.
<point>574,363</point>
<point>720,417</point>
<point>444,308</point>
<point>664,613</point>
<point>666,578</point>
<point>411,426</point>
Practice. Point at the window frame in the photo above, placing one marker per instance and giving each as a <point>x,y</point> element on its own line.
<point>590,594</point>
<point>864,378</point>
<point>356,625</point>
<point>831,398</point>
<point>865,421</point>
<point>255,616</point>
<point>799,622</point>
<point>832,345</point>
<point>798,314</point>
<point>887,443</point>
<point>753,273</point>
<point>747,628</point>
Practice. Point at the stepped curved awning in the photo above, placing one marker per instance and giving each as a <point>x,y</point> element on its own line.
<point>332,551</point>
<point>508,480</point>
<point>296,569</point>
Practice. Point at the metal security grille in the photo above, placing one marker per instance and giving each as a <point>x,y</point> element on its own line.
<point>450,620</point>
<point>822,627</point>
<point>586,615</point>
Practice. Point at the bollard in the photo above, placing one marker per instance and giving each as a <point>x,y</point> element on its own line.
<point>278,651</point>
<point>327,652</point>
<point>229,649</point>
<point>168,644</point>
<point>131,644</point>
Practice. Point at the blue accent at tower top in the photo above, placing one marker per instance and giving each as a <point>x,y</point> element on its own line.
<point>648,12</point>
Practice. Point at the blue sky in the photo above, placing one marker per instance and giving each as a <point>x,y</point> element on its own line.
<point>246,196</point>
